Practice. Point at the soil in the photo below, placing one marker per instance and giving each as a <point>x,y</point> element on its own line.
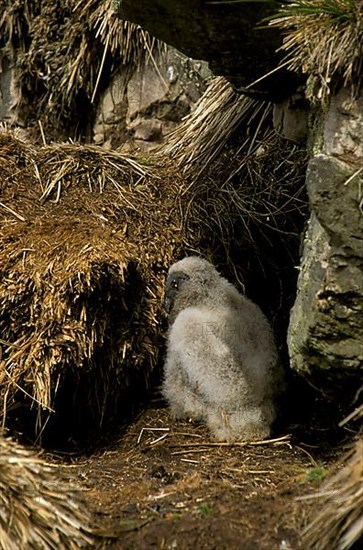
<point>164,484</point>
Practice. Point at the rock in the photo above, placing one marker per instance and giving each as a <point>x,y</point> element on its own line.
<point>325,336</point>
<point>335,193</point>
<point>144,89</point>
<point>9,94</point>
<point>147,130</point>
<point>228,35</point>
<point>343,132</point>
<point>290,118</point>
<point>162,91</point>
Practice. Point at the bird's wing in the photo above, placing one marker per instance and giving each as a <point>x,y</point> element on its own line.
<point>205,341</point>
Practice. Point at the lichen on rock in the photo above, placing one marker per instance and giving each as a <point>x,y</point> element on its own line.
<point>326,326</point>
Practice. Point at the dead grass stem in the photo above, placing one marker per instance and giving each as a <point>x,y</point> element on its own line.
<point>39,507</point>
<point>339,520</point>
<point>323,39</point>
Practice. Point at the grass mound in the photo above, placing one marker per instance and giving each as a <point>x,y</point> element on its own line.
<point>86,237</point>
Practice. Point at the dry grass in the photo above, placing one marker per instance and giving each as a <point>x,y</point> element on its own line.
<point>263,188</point>
<point>251,223</point>
<point>205,132</point>
<point>86,238</point>
<point>263,185</point>
<point>323,39</point>
<point>38,507</point>
<point>339,521</point>
<point>14,23</point>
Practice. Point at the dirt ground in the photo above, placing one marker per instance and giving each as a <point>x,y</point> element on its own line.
<point>163,484</point>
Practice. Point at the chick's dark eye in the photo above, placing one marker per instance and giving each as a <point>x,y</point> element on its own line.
<point>174,284</point>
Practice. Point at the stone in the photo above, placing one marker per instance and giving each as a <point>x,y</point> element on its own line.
<point>162,91</point>
<point>335,194</point>
<point>343,132</point>
<point>290,118</point>
<point>228,35</point>
<point>147,130</point>
<point>325,336</point>
<point>111,113</point>
<point>144,89</point>
<point>9,95</point>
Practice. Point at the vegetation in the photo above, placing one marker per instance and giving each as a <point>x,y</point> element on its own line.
<point>323,39</point>
<point>339,522</point>
<point>316,474</point>
<point>64,52</point>
<point>39,508</point>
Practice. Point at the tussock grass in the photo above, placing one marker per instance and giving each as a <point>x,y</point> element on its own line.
<point>202,136</point>
<point>339,520</point>
<point>86,237</point>
<point>38,506</point>
<point>323,39</point>
<point>263,183</point>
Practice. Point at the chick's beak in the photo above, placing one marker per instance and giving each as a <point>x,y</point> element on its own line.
<point>167,303</point>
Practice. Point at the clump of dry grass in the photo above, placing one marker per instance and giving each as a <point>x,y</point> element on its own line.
<point>323,39</point>
<point>263,189</point>
<point>14,23</point>
<point>86,237</point>
<point>265,181</point>
<point>203,135</point>
<point>339,521</point>
<point>38,506</point>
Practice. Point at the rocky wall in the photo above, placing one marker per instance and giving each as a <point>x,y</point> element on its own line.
<point>326,326</point>
<point>232,36</point>
<point>137,112</point>
<point>8,91</point>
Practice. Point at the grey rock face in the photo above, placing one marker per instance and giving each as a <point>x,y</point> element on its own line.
<point>8,91</point>
<point>326,326</point>
<point>137,111</point>
<point>290,118</point>
<point>229,35</point>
